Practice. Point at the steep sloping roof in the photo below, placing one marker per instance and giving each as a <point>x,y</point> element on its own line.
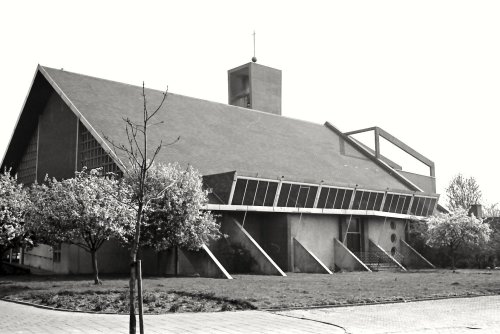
<point>217,138</point>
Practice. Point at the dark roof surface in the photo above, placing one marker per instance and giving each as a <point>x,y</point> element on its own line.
<point>217,138</point>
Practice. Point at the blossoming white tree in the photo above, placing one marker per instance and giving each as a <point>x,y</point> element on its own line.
<point>463,192</point>
<point>455,230</point>
<point>81,211</point>
<point>177,218</point>
<point>14,202</point>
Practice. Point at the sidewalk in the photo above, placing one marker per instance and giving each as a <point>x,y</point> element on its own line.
<point>457,315</point>
<point>16,318</point>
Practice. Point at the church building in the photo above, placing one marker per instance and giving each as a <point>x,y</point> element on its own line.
<point>291,195</point>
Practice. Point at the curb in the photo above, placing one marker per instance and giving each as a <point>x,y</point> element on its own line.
<point>373,303</point>
<point>50,308</point>
<point>57,308</point>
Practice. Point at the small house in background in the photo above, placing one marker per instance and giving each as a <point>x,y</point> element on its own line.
<point>291,195</point>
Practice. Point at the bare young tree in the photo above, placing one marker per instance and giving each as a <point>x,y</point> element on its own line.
<point>463,192</point>
<point>140,157</point>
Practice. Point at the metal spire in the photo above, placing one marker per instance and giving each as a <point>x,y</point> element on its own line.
<point>254,59</point>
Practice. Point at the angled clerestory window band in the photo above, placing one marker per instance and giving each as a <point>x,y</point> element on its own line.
<point>251,191</point>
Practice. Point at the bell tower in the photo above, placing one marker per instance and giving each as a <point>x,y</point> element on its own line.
<point>255,86</point>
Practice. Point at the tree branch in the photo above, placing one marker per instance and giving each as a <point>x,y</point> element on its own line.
<point>159,106</point>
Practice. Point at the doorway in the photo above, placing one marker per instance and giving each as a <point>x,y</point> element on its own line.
<point>352,230</point>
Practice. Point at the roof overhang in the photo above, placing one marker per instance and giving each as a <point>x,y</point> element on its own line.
<point>225,207</point>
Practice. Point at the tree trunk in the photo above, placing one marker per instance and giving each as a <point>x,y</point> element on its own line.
<point>176,261</point>
<point>139,296</point>
<point>133,272</point>
<point>131,284</point>
<point>2,252</point>
<point>95,268</point>
<point>158,262</point>
<point>452,253</point>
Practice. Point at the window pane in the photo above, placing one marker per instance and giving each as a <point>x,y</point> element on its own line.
<point>303,194</point>
<point>331,198</point>
<point>420,206</point>
<point>357,199</point>
<point>353,225</point>
<point>250,192</point>
<point>414,205</point>
<point>432,204</point>
<point>311,197</point>
<point>406,205</point>
<point>425,207</point>
<point>353,242</point>
<point>364,200</point>
<point>293,196</point>
<point>261,193</point>
<point>339,197</point>
<point>271,193</point>
<point>400,204</point>
<point>347,199</point>
<point>378,201</point>
<point>322,197</point>
<point>394,204</point>
<point>239,190</point>
<point>371,201</point>
<point>285,190</point>
<point>388,202</point>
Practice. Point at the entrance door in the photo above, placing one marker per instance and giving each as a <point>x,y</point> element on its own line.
<point>353,240</point>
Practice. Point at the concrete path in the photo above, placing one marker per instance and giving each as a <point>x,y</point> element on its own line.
<point>463,315</point>
<point>16,319</point>
<point>459,315</point>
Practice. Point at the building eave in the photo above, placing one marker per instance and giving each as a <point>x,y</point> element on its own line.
<point>244,208</point>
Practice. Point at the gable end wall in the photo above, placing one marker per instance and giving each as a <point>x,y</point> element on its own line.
<point>57,140</point>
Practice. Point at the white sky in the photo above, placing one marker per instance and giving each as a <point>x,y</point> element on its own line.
<point>428,72</point>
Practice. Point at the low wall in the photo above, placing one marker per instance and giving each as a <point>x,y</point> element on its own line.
<point>413,259</point>
<point>346,260</point>
<point>201,262</point>
<point>112,258</point>
<point>39,257</point>
<point>305,261</point>
<point>388,257</point>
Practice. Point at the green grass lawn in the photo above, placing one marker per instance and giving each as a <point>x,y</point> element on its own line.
<point>249,291</point>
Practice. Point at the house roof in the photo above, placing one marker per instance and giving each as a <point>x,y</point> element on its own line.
<point>217,138</point>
